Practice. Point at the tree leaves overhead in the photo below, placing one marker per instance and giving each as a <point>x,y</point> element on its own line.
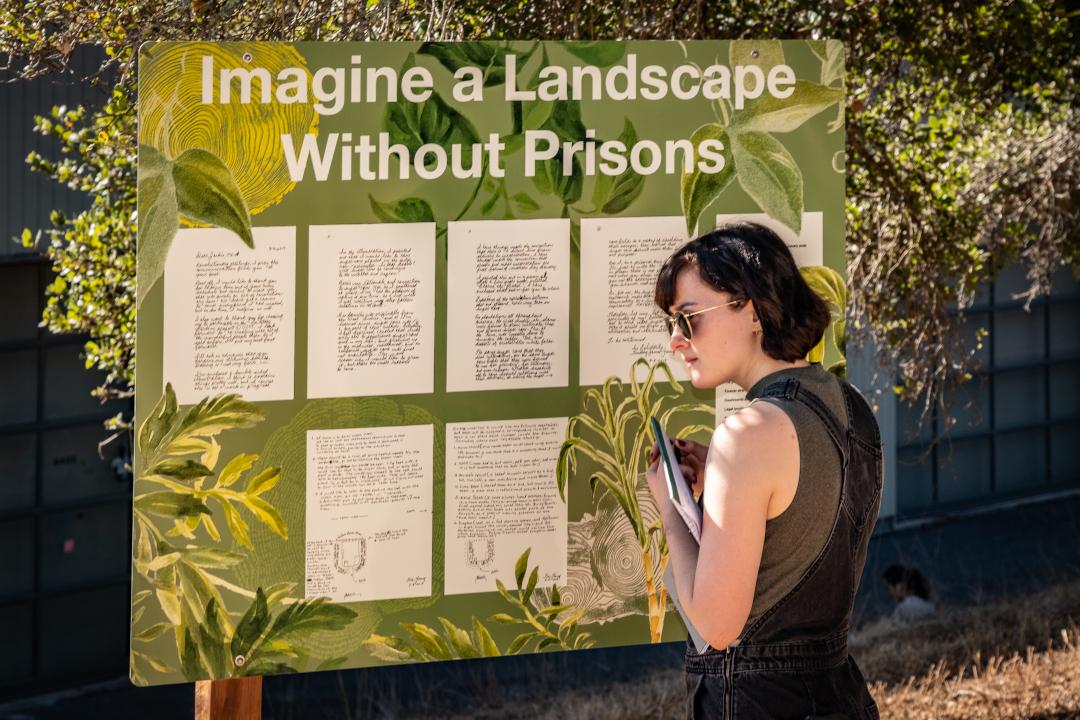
<point>768,173</point>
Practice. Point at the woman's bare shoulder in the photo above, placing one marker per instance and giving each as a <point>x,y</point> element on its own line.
<point>760,435</point>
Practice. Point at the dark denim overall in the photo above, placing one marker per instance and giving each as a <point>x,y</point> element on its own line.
<point>793,661</point>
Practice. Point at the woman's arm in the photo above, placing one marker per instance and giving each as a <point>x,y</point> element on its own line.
<point>751,475</point>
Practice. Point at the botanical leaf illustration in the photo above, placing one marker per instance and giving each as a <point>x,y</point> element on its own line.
<point>699,188</point>
<point>197,185</point>
<point>207,191</point>
<point>832,66</point>
<point>408,210</point>
<point>831,287</point>
<point>159,217</point>
<point>550,180</point>
<point>600,53</point>
<point>171,505</point>
<point>769,175</point>
<point>430,645</point>
<point>827,283</point>
<point>612,195</point>
<point>490,57</point>
<point>159,422</point>
<point>770,114</point>
<point>525,204</point>
<point>431,121</point>
<point>622,436</point>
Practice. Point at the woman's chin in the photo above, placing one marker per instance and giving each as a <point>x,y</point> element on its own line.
<point>699,381</point>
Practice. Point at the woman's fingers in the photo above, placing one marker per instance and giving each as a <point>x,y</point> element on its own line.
<point>692,475</point>
<point>696,449</point>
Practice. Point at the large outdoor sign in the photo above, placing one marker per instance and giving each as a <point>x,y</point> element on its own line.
<point>397,348</point>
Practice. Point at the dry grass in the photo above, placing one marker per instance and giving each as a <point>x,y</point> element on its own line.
<point>892,651</point>
<point>914,666</point>
<point>1037,686</point>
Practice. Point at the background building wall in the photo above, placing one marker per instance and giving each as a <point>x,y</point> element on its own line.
<point>64,517</point>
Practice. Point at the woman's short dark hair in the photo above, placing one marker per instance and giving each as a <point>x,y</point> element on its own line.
<point>750,262</point>
<point>910,578</point>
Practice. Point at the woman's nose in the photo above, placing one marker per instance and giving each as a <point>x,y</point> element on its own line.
<point>678,341</point>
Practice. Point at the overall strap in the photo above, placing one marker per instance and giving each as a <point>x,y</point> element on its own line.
<point>791,390</point>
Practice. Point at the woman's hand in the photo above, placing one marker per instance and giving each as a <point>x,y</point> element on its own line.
<point>692,457</point>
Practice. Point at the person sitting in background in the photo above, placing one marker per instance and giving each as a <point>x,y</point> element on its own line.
<point>910,590</point>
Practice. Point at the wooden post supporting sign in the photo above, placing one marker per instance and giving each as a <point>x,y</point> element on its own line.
<point>239,699</point>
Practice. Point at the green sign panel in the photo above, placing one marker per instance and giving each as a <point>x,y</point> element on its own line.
<point>397,347</point>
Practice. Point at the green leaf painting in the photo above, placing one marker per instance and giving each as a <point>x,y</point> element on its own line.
<point>699,188</point>
<point>489,57</point>
<point>770,114</point>
<point>432,121</point>
<point>208,644</point>
<point>409,210</point>
<point>831,287</point>
<point>206,191</point>
<point>769,175</point>
<point>427,645</point>
<point>619,435</point>
<point>196,185</point>
<point>599,53</point>
<point>160,217</point>
<point>612,195</point>
<point>765,54</point>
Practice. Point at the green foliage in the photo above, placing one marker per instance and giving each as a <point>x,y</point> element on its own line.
<point>963,139</point>
<point>428,646</point>
<point>612,195</point>
<point>93,253</point>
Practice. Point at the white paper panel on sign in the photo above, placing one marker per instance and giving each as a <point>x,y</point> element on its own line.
<point>508,304</point>
<point>369,498</point>
<point>620,259</point>
<point>502,499</point>
<point>231,312</point>
<point>371,310</point>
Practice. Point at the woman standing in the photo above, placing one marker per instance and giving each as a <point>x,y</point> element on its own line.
<point>791,487</point>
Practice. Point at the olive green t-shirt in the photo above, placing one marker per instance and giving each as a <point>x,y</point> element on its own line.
<point>795,537</point>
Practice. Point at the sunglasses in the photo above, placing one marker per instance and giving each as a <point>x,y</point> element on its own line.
<point>682,320</point>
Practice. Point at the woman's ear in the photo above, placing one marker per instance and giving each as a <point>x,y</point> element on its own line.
<point>753,315</point>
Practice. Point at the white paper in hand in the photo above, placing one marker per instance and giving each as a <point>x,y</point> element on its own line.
<point>678,489</point>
